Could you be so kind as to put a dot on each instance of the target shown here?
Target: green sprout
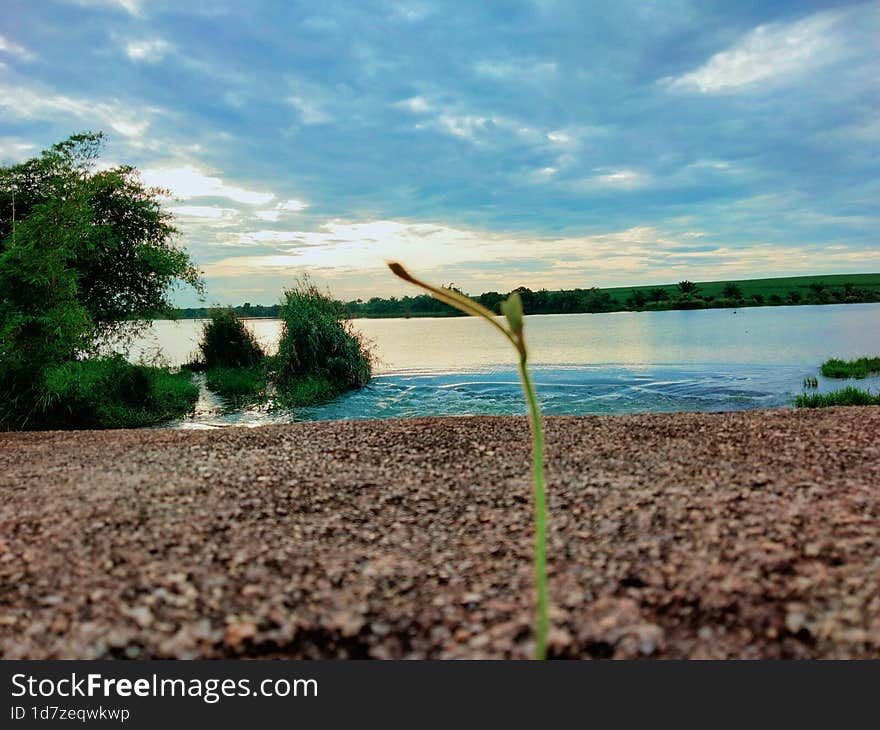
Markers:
(513, 313)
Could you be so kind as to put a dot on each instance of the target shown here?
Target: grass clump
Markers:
(237, 383)
(308, 391)
(228, 343)
(233, 360)
(859, 368)
(846, 397)
(111, 393)
(319, 355)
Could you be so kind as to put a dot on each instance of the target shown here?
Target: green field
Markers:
(781, 286)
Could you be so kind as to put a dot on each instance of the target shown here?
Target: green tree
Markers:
(637, 299)
(659, 294)
(688, 288)
(732, 291)
(84, 253)
(113, 238)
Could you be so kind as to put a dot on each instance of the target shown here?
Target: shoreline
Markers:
(690, 535)
(456, 314)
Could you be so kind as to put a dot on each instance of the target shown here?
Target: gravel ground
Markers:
(751, 534)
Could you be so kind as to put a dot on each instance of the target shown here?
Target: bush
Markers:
(110, 393)
(228, 343)
(318, 352)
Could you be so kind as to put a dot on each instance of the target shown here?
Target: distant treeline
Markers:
(830, 289)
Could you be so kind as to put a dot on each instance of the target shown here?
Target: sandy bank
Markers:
(751, 534)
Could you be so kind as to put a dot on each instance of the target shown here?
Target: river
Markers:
(620, 362)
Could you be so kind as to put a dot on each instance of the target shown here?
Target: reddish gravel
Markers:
(688, 535)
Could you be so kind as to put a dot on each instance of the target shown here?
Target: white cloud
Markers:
(14, 49)
(148, 51)
(132, 7)
(292, 205)
(15, 150)
(270, 237)
(518, 70)
(26, 103)
(310, 112)
(353, 256)
(203, 211)
(367, 245)
(561, 137)
(465, 126)
(285, 206)
(767, 53)
(415, 104)
(189, 182)
(412, 12)
(544, 174)
(489, 128)
(623, 179)
(474, 127)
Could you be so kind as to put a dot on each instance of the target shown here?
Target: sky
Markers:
(542, 143)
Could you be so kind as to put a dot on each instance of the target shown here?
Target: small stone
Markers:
(239, 632)
(794, 621)
(142, 616)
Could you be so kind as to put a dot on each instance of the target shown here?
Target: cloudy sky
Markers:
(546, 143)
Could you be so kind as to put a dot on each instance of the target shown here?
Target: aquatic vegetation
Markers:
(811, 382)
(308, 391)
(318, 345)
(227, 343)
(849, 396)
(859, 368)
(239, 384)
(233, 360)
(319, 356)
(512, 309)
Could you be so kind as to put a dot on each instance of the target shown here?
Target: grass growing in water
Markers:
(237, 383)
(319, 355)
(846, 397)
(232, 358)
(227, 343)
(859, 368)
(308, 391)
(512, 310)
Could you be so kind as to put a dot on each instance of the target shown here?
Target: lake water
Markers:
(621, 362)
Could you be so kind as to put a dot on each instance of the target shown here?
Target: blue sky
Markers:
(541, 142)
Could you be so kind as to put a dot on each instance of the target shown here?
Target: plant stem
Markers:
(543, 622)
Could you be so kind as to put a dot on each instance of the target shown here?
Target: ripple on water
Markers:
(562, 390)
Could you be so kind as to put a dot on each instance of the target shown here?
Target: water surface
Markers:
(621, 362)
